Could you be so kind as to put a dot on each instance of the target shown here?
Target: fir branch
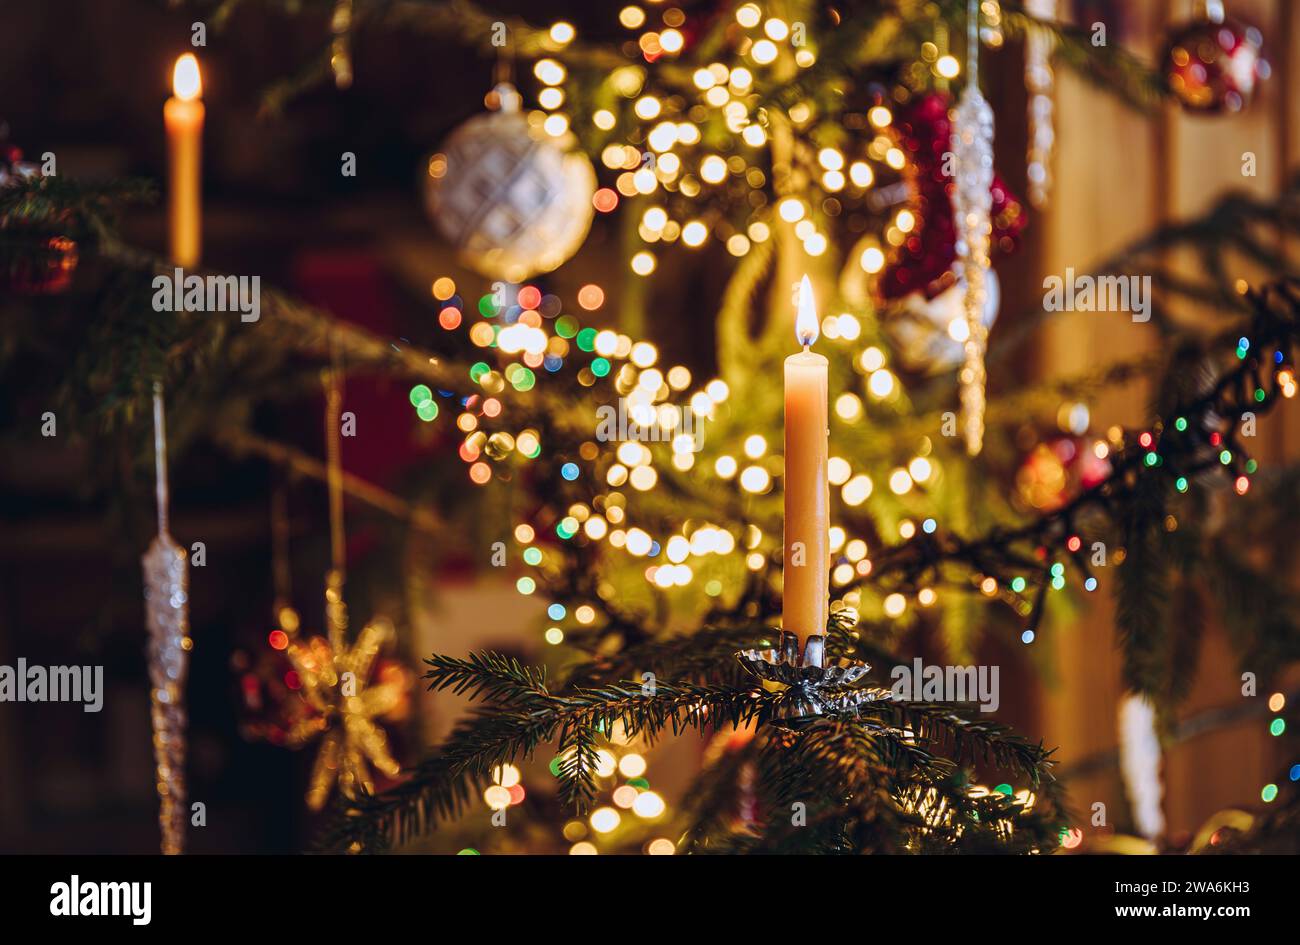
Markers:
(712, 805)
(240, 443)
(1141, 590)
(579, 759)
(865, 752)
(969, 738)
(514, 730)
(488, 676)
(1261, 613)
(952, 817)
(838, 786)
(704, 656)
(69, 206)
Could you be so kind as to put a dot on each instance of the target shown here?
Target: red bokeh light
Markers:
(530, 296)
(605, 200)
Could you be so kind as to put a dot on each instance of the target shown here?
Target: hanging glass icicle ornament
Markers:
(972, 202)
(1039, 83)
(167, 618)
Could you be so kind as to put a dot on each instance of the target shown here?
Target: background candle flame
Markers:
(805, 322)
(186, 82)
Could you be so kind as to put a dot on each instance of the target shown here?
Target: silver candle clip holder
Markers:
(815, 686)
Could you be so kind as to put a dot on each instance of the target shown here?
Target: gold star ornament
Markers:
(343, 705)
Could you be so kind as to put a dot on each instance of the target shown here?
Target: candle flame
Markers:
(186, 82)
(805, 322)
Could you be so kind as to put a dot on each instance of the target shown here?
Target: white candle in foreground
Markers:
(806, 562)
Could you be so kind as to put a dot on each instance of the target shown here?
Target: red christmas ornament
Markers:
(35, 258)
(269, 706)
(1215, 64)
(36, 264)
(1059, 469)
(924, 261)
(271, 701)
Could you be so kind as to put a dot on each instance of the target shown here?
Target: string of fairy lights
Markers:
(1277, 728)
(532, 334)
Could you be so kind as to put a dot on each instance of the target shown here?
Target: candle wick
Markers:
(806, 346)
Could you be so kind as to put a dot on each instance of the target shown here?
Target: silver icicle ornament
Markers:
(166, 596)
(972, 203)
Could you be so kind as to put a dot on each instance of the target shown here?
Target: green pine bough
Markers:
(889, 777)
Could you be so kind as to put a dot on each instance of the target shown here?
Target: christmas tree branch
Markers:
(1188, 448)
(68, 206)
(240, 442)
(872, 794)
(521, 713)
(512, 731)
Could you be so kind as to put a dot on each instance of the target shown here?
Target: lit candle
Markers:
(807, 492)
(183, 116)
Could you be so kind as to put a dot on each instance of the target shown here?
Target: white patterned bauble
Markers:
(929, 335)
(514, 200)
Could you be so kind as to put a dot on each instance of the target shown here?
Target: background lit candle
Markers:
(807, 492)
(183, 116)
